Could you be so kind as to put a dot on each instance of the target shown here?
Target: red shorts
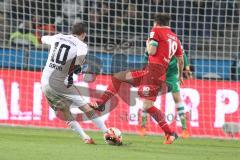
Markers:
(150, 81)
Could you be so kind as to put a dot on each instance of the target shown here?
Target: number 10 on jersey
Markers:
(59, 58)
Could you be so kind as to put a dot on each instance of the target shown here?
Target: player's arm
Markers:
(152, 47)
(81, 54)
(180, 60)
(187, 71)
(152, 42)
(80, 58)
(186, 62)
(47, 40)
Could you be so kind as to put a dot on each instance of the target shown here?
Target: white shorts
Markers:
(68, 98)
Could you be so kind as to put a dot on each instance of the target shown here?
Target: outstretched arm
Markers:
(180, 61)
(187, 72)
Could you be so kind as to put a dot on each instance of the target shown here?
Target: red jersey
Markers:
(168, 45)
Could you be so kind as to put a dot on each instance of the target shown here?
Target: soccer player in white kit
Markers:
(67, 52)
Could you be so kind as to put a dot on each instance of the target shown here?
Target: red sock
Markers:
(160, 118)
(112, 89)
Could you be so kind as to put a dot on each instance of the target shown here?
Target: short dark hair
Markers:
(162, 19)
(78, 29)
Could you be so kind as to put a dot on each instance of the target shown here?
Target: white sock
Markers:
(180, 109)
(100, 124)
(75, 126)
(91, 115)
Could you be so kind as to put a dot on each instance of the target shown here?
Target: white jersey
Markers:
(65, 52)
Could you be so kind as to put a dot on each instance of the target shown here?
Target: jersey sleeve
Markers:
(153, 36)
(179, 51)
(48, 40)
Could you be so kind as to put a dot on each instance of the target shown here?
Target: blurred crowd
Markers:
(207, 28)
(118, 18)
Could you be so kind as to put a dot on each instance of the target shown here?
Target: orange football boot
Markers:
(142, 131)
(89, 141)
(169, 139)
(185, 134)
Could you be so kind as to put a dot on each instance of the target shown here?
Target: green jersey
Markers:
(172, 74)
(173, 66)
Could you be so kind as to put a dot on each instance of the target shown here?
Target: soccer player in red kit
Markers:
(161, 46)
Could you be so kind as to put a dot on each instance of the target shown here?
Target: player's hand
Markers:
(181, 80)
(187, 74)
(147, 42)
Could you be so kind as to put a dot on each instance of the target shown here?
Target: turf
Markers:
(49, 144)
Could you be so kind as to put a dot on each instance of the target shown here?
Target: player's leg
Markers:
(172, 81)
(96, 119)
(159, 117)
(181, 113)
(75, 126)
(80, 103)
(142, 130)
(151, 85)
(61, 106)
(113, 87)
(65, 114)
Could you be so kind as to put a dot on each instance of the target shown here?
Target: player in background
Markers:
(66, 56)
(162, 45)
(173, 83)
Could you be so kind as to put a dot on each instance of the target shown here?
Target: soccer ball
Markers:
(113, 136)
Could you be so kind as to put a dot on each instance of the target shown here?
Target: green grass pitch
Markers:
(49, 144)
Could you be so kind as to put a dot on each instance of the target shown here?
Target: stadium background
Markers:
(209, 31)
